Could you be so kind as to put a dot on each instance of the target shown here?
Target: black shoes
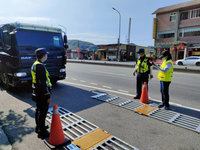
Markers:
(37, 129)
(136, 97)
(43, 135)
(160, 106)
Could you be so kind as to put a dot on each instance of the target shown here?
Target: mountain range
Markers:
(73, 45)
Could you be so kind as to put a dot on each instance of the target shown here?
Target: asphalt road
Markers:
(184, 89)
(74, 93)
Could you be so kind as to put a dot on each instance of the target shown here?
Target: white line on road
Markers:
(73, 79)
(108, 87)
(110, 73)
(127, 94)
(82, 81)
(94, 83)
(123, 91)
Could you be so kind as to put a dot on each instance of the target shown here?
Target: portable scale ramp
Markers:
(168, 116)
(84, 135)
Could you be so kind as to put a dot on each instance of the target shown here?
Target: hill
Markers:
(73, 44)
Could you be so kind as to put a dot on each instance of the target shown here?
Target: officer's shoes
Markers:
(37, 130)
(136, 97)
(43, 135)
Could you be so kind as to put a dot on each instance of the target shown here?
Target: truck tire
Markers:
(5, 81)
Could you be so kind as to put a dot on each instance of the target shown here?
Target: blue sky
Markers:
(89, 20)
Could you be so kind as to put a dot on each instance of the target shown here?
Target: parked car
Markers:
(192, 60)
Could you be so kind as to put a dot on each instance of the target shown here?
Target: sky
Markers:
(89, 20)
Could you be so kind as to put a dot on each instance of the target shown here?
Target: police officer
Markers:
(142, 71)
(165, 76)
(41, 91)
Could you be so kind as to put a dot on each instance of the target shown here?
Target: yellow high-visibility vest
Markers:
(167, 76)
(33, 73)
(143, 67)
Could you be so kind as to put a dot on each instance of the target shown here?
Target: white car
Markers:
(192, 60)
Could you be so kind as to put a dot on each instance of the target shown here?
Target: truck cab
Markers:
(18, 42)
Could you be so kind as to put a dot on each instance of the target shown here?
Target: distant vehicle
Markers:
(192, 60)
(18, 42)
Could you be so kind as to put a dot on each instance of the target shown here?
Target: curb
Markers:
(4, 143)
(185, 69)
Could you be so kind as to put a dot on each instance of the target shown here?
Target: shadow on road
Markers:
(15, 126)
(72, 98)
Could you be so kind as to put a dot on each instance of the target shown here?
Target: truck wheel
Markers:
(180, 63)
(198, 64)
(5, 81)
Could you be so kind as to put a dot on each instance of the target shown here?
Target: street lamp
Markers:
(118, 52)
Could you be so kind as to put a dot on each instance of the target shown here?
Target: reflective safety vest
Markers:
(33, 73)
(142, 67)
(167, 76)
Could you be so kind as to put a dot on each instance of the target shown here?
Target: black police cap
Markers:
(141, 50)
(41, 51)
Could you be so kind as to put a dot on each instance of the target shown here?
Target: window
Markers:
(185, 15)
(169, 35)
(195, 13)
(172, 17)
(194, 33)
(7, 38)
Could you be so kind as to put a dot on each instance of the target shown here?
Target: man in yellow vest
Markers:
(165, 76)
(142, 71)
(41, 91)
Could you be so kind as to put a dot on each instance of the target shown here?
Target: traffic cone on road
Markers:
(144, 97)
(57, 137)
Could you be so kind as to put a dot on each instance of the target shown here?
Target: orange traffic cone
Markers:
(56, 138)
(144, 97)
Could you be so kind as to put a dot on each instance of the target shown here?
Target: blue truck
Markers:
(18, 42)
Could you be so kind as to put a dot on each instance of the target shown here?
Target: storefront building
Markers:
(177, 28)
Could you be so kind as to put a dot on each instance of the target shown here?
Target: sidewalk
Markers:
(4, 143)
(191, 69)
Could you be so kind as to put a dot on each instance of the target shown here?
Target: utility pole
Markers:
(118, 51)
(129, 30)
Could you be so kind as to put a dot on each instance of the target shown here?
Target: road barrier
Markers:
(169, 116)
(86, 135)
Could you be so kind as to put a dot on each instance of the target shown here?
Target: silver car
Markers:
(192, 60)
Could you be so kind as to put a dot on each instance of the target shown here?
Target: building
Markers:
(127, 52)
(177, 29)
(80, 54)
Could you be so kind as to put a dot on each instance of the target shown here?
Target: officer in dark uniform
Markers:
(41, 91)
(142, 71)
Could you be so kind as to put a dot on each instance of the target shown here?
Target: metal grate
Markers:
(107, 98)
(120, 101)
(132, 105)
(164, 115)
(73, 126)
(188, 122)
(114, 143)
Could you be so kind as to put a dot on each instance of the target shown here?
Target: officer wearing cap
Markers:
(165, 76)
(142, 71)
(41, 91)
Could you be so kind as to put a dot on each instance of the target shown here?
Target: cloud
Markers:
(93, 37)
(25, 19)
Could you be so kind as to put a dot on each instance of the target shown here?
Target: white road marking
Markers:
(94, 83)
(127, 94)
(82, 81)
(73, 79)
(110, 73)
(123, 91)
(108, 87)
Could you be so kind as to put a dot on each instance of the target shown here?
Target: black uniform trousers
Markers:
(41, 112)
(141, 78)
